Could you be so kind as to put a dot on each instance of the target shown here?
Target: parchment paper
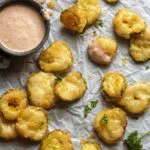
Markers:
(70, 118)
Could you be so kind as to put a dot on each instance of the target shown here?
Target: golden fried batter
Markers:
(57, 140)
(74, 19)
(40, 87)
(91, 8)
(140, 46)
(7, 128)
(57, 58)
(87, 145)
(126, 23)
(136, 98)
(32, 123)
(113, 85)
(102, 50)
(71, 88)
(81, 15)
(12, 102)
(110, 125)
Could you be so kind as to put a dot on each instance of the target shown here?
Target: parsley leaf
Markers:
(147, 67)
(94, 103)
(99, 23)
(88, 108)
(134, 142)
(58, 80)
(104, 119)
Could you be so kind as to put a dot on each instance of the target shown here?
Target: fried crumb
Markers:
(52, 4)
(124, 61)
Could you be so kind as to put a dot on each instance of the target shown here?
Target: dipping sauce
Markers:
(22, 27)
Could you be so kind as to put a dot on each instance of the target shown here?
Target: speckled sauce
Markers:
(21, 27)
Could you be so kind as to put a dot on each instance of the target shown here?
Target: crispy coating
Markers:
(7, 128)
(126, 23)
(111, 1)
(40, 88)
(140, 46)
(57, 140)
(12, 102)
(136, 98)
(91, 8)
(88, 145)
(57, 58)
(102, 50)
(113, 86)
(32, 123)
(81, 15)
(74, 19)
(112, 131)
(71, 88)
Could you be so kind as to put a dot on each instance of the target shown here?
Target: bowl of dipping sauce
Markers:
(23, 28)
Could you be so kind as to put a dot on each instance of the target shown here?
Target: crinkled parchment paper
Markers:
(70, 118)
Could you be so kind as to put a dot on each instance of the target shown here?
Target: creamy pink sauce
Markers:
(21, 27)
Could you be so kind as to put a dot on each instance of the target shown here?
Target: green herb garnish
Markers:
(134, 142)
(147, 67)
(94, 103)
(99, 23)
(88, 108)
(58, 80)
(104, 119)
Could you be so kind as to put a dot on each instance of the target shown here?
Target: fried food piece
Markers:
(136, 98)
(57, 58)
(91, 8)
(110, 125)
(74, 19)
(140, 46)
(113, 86)
(40, 87)
(88, 145)
(57, 140)
(102, 50)
(111, 1)
(12, 102)
(32, 123)
(126, 23)
(71, 88)
(7, 128)
(81, 15)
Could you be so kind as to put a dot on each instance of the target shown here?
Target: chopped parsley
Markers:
(99, 23)
(133, 141)
(104, 119)
(58, 80)
(147, 67)
(89, 108)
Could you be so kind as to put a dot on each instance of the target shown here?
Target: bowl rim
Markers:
(39, 7)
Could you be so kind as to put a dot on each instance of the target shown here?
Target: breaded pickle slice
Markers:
(88, 145)
(57, 58)
(113, 86)
(71, 88)
(7, 128)
(32, 123)
(57, 140)
(40, 88)
(102, 50)
(91, 8)
(74, 19)
(126, 23)
(12, 102)
(136, 98)
(140, 46)
(110, 125)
